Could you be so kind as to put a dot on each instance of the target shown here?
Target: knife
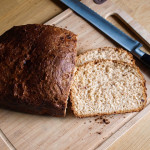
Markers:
(110, 30)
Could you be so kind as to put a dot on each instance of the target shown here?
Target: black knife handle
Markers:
(146, 59)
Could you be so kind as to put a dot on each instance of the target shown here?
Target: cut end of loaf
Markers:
(107, 87)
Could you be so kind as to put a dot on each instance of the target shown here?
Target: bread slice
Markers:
(107, 87)
(105, 53)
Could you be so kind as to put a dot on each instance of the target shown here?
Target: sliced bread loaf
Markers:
(36, 69)
(105, 53)
(107, 87)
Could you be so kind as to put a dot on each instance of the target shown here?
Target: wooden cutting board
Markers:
(29, 132)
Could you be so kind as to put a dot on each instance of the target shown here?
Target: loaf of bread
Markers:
(36, 69)
(107, 87)
(106, 53)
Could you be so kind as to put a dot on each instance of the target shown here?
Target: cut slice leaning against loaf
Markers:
(105, 53)
(107, 87)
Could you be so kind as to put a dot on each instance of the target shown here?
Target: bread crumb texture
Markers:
(107, 87)
(105, 53)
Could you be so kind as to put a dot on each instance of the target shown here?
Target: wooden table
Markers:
(18, 12)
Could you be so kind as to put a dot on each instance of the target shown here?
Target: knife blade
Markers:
(109, 29)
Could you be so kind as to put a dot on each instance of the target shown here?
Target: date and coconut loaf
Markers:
(36, 64)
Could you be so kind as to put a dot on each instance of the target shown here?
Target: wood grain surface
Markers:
(3, 146)
(35, 11)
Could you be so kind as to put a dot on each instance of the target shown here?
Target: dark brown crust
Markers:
(37, 64)
(117, 112)
(105, 48)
